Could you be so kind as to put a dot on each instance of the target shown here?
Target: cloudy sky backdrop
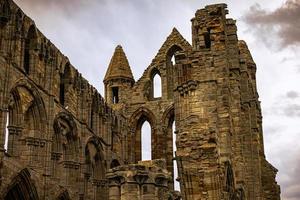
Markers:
(87, 31)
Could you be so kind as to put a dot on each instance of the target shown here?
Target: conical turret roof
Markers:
(118, 66)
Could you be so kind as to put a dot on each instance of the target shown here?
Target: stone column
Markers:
(114, 188)
(147, 180)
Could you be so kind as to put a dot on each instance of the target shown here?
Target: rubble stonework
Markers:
(65, 141)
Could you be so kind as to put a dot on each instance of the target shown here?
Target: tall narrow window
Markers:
(115, 95)
(64, 81)
(6, 132)
(170, 70)
(146, 141)
(31, 36)
(207, 39)
(175, 169)
(157, 86)
(62, 91)
(5, 12)
(173, 60)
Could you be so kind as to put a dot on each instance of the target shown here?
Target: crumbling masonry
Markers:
(65, 141)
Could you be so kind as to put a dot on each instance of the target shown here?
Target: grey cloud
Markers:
(291, 183)
(284, 22)
(292, 110)
(292, 94)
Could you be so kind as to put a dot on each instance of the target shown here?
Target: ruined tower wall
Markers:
(63, 136)
(213, 99)
(60, 128)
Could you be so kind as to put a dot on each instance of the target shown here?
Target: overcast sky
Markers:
(87, 32)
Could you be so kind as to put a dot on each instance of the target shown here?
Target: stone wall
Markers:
(61, 131)
(66, 141)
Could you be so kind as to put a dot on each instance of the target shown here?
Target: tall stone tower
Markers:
(209, 91)
(62, 140)
(118, 79)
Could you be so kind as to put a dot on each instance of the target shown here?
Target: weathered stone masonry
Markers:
(65, 141)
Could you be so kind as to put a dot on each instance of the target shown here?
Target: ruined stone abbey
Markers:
(60, 139)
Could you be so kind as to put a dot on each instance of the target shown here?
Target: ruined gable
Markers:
(65, 141)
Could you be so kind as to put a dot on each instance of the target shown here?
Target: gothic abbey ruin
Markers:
(65, 141)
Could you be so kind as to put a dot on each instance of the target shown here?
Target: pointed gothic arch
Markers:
(27, 119)
(136, 122)
(114, 163)
(229, 185)
(94, 158)
(22, 187)
(95, 166)
(63, 196)
(65, 137)
(156, 84)
(170, 70)
(168, 141)
(65, 80)
(5, 12)
(29, 47)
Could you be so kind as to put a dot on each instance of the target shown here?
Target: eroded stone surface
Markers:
(68, 142)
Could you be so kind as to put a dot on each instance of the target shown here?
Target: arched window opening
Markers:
(170, 71)
(65, 139)
(207, 39)
(140, 142)
(157, 87)
(64, 80)
(26, 116)
(62, 91)
(175, 168)
(173, 60)
(6, 132)
(115, 95)
(5, 12)
(146, 141)
(29, 46)
(95, 160)
(229, 180)
(63, 196)
(22, 187)
(114, 163)
(94, 110)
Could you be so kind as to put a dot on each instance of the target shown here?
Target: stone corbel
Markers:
(161, 180)
(71, 164)
(99, 183)
(141, 178)
(55, 155)
(14, 130)
(31, 141)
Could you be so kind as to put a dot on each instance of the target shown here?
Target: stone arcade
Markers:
(65, 141)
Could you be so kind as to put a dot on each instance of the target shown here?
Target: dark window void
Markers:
(115, 95)
(30, 44)
(65, 78)
(114, 163)
(207, 39)
(5, 12)
(26, 57)
(62, 93)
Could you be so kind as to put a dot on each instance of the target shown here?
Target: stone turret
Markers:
(118, 79)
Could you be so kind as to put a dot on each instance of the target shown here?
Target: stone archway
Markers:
(95, 168)
(26, 122)
(22, 187)
(63, 195)
(136, 122)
